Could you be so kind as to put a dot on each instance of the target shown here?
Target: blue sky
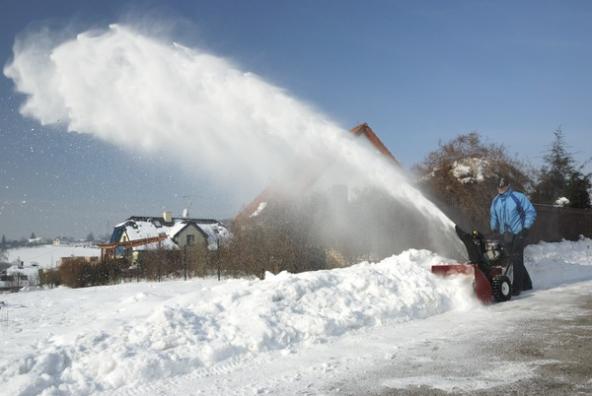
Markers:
(418, 72)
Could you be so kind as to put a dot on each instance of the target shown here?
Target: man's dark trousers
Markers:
(514, 246)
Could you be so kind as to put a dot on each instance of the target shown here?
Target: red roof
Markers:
(303, 182)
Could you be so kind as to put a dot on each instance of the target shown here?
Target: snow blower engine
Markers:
(488, 264)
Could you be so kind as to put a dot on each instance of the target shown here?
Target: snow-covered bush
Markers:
(461, 175)
(561, 202)
(469, 170)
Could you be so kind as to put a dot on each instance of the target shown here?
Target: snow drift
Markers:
(554, 264)
(229, 321)
(107, 337)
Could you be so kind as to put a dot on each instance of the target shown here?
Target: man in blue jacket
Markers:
(512, 215)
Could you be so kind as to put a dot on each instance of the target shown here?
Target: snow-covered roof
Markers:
(259, 209)
(176, 228)
(215, 232)
(141, 227)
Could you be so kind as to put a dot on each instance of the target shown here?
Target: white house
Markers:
(139, 233)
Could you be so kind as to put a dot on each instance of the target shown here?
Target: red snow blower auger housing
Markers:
(488, 264)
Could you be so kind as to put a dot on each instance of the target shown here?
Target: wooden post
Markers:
(185, 262)
(218, 259)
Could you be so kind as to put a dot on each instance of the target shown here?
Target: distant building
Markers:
(13, 281)
(140, 233)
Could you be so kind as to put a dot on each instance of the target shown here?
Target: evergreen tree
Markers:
(578, 190)
(3, 254)
(90, 237)
(559, 177)
(33, 236)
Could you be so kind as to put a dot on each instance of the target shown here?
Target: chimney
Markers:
(167, 217)
(185, 213)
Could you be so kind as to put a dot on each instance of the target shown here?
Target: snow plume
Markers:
(142, 93)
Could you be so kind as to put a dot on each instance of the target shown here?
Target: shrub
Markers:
(49, 277)
(461, 175)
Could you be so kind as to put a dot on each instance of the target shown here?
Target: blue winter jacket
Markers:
(511, 212)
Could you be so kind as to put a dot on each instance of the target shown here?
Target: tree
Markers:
(90, 237)
(279, 239)
(578, 190)
(559, 177)
(461, 176)
(3, 253)
(33, 236)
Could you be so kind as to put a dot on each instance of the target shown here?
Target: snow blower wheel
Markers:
(501, 288)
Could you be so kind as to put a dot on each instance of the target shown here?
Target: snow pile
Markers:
(561, 202)
(232, 321)
(103, 338)
(469, 170)
(553, 264)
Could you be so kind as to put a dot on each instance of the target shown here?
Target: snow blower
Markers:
(488, 264)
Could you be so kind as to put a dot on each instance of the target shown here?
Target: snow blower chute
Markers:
(488, 264)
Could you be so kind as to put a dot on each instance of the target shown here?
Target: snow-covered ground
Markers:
(28, 260)
(243, 336)
(47, 256)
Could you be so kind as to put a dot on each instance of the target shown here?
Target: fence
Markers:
(554, 224)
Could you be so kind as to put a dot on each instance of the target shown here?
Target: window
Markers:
(190, 239)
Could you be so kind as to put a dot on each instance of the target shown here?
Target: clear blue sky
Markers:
(418, 72)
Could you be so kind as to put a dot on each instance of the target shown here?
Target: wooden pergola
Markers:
(108, 249)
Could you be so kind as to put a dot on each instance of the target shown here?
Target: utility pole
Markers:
(218, 260)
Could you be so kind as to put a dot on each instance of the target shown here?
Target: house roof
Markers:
(367, 132)
(255, 207)
(144, 227)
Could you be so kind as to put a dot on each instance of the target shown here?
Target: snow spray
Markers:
(142, 93)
